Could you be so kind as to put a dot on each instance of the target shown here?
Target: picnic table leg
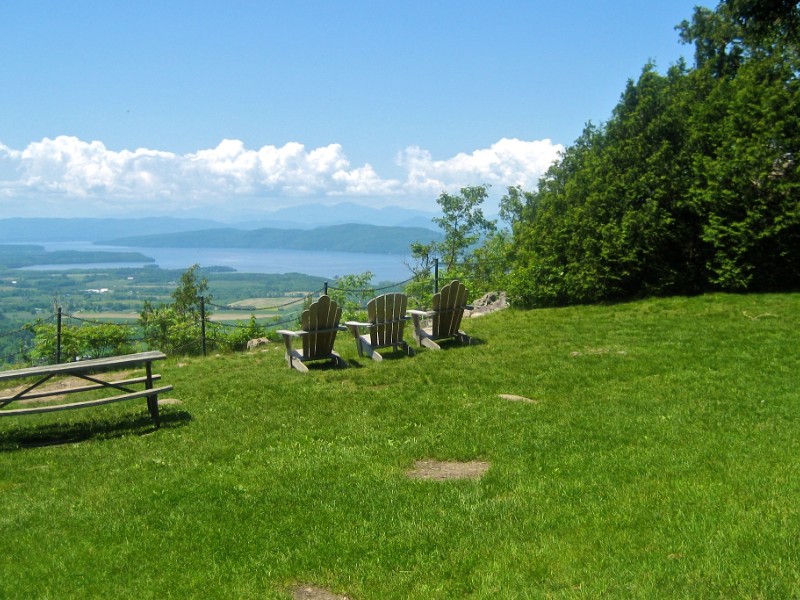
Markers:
(152, 401)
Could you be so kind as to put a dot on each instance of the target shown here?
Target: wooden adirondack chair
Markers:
(386, 316)
(446, 312)
(320, 323)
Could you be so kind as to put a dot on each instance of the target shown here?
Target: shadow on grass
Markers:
(387, 355)
(454, 343)
(57, 434)
(399, 355)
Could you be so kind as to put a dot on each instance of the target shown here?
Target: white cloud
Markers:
(70, 172)
(506, 163)
(69, 167)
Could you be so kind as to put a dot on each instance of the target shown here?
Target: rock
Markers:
(487, 303)
(256, 342)
(516, 398)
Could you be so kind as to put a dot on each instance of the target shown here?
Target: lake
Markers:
(385, 267)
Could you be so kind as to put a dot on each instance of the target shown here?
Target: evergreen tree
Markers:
(691, 185)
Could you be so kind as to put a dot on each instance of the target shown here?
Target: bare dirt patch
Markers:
(312, 592)
(444, 470)
(66, 383)
(515, 398)
(169, 402)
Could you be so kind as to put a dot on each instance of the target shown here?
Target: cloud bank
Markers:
(67, 176)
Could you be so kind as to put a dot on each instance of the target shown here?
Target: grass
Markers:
(658, 460)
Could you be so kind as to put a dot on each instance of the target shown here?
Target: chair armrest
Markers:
(422, 313)
(302, 332)
(287, 333)
(358, 324)
(354, 327)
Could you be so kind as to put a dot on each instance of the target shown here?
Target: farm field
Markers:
(217, 315)
(118, 295)
(638, 450)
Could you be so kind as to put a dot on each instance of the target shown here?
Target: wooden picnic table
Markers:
(86, 370)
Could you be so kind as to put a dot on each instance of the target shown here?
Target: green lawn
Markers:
(659, 459)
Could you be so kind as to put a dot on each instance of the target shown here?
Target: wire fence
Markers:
(271, 307)
(219, 331)
(371, 289)
(55, 329)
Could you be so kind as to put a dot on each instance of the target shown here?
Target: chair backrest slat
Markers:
(449, 306)
(387, 314)
(320, 320)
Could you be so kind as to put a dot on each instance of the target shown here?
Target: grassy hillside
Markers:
(657, 458)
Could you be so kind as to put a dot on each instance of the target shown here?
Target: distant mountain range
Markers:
(92, 230)
(339, 228)
(349, 237)
(309, 216)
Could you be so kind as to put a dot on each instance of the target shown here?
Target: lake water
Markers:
(385, 267)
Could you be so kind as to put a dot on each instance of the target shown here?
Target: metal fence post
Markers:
(435, 275)
(58, 335)
(203, 324)
(325, 288)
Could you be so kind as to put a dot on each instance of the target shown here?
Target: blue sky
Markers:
(234, 108)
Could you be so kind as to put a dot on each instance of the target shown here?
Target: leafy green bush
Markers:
(236, 337)
(86, 341)
(351, 293)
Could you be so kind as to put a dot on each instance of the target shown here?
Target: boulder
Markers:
(256, 342)
(487, 303)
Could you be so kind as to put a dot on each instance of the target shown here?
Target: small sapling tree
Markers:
(176, 327)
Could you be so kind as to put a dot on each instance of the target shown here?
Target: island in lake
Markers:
(17, 256)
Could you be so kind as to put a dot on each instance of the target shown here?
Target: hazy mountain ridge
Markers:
(350, 237)
(92, 229)
(303, 217)
(309, 216)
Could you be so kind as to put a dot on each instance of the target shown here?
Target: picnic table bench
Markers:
(86, 370)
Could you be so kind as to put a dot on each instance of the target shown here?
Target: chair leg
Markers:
(294, 362)
(464, 338)
(429, 343)
(299, 366)
(367, 350)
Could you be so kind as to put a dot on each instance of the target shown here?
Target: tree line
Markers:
(690, 186)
